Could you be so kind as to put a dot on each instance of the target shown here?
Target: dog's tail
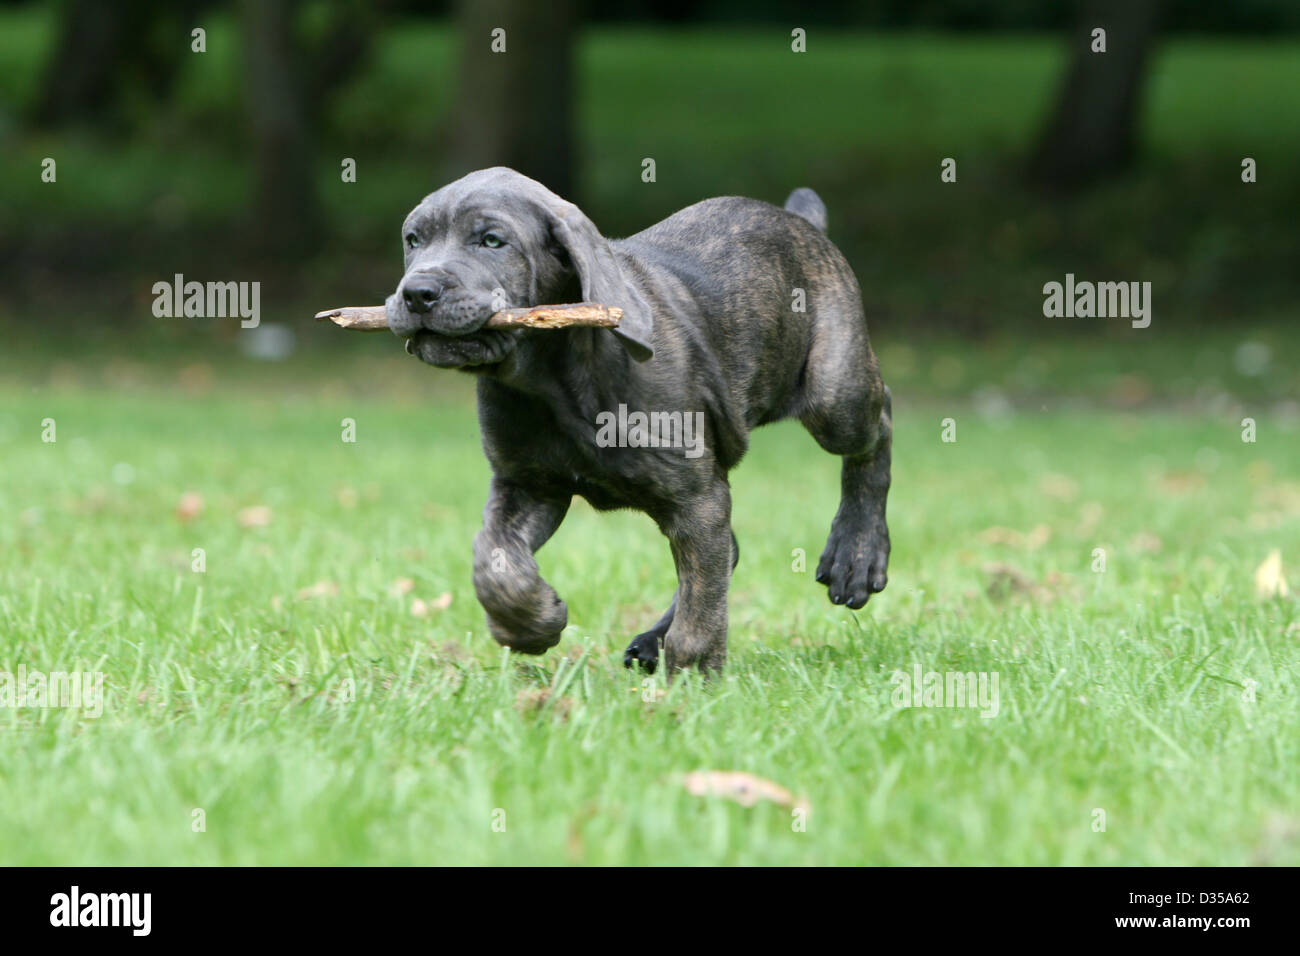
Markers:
(804, 202)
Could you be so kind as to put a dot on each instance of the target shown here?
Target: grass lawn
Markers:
(315, 719)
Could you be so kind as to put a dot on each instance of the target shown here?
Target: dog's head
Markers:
(494, 240)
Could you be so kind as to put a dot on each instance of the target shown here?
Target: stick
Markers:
(374, 318)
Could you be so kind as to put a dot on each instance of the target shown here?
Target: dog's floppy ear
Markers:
(602, 279)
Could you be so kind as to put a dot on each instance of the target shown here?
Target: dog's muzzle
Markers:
(478, 350)
(443, 326)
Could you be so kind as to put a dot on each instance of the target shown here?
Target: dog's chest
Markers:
(611, 469)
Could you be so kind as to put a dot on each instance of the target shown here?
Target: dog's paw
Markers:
(854, 563)
(531, 630)
(643, 652)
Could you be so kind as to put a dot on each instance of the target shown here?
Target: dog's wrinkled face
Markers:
(472, 248)
(495, 240)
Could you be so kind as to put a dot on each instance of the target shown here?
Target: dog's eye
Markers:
(412, 240)
(492, 240)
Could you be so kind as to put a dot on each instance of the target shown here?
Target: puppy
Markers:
(735, 314)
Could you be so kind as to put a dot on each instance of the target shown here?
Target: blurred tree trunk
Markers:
(287, 210)
(102, 52)
(516, 108)
(1092, 128)
(291, 78)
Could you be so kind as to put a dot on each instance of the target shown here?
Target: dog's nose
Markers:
(421, 292)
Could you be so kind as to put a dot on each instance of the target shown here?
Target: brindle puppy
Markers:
(711, 324)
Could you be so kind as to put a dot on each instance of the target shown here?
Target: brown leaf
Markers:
(1059, 486)
(1279, 840)
(1145, 541)
(1130, 390)
(189, 507)
(1032, 541)
(1284, 496)
(1182, 482)
(258, 516)
(1089, 517)
(1038, 537)
(320, 589)
(420, 608)
(197, 378)
(1269, 580)
(744, 788)
(1005, 580)
(535, 699)
(1266, 520)
(451, 651)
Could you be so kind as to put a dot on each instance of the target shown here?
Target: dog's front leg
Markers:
(699, 532)
(524, 613)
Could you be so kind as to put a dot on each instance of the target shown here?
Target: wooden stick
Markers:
(374, 318)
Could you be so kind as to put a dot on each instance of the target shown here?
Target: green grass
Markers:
(1121, 691)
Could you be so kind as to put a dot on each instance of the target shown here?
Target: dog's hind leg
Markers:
(644, 649)
(848, 410)
(524, 613)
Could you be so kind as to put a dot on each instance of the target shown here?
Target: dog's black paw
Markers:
(643, 652)
(854, 563)
(532, 628)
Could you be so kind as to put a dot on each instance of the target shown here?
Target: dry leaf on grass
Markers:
(1059, 486)
(535, 699)
(1010, 536)
(258, 516)
(189, 507)
(1182, 482)
(1284, 496)
(421, 608)
(1269, 580)
(321, 589)
(1145, 541)
(450, 651)
(744, 788)
(1266, 520)
(1130, 390)
(1089, 517)
(1278, 841)
(1007, 581)
(196, 378)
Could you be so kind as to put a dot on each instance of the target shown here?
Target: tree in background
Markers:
(106, 56)
(515, 108)
(297, 57)
(1090, 132)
